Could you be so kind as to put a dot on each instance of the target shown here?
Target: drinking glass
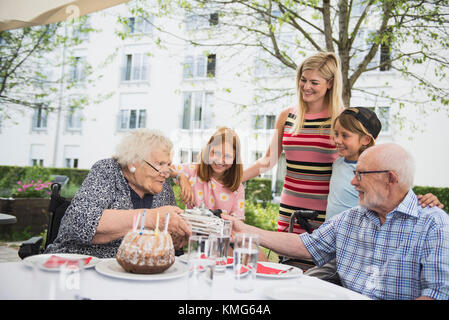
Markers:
(246, 253)
(202, 255)
(63, 282)
(223, 240)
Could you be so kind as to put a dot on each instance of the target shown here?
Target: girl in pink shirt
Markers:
(216, 181)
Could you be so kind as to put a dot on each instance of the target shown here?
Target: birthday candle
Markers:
(156, 230)
(134, 221)
(143, 222)
(167, 218)
(137, 221)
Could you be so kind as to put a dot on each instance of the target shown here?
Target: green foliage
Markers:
(441, 193)
(11, 175)
(177, 191)
(262, 215)
(258, 189)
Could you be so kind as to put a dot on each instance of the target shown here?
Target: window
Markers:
(40, 118)
(196, 110)
(71, 156)
(261, 122)
(361, 47)
(37, 155)
(195, 155)
(136, 67)
(201, 66)
(140, 25)
(78, 69)
(132, 119)
(385, 62)
(184, 156)
(73, 120)
(201, 21)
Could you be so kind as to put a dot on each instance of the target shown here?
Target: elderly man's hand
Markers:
(238, 225)
(178, 228)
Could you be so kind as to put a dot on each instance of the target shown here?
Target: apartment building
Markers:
(187, 92)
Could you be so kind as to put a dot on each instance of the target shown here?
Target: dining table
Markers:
(7, 219)
(19, 280)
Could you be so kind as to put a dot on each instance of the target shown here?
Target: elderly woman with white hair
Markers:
(133, 180)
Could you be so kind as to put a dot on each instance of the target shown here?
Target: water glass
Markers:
(63, 282)
(202, 257)
(223, 240)
(246, 253)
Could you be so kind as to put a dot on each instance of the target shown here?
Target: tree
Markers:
(407, 36)
(29, 58)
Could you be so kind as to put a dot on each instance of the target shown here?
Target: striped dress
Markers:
(309, 157)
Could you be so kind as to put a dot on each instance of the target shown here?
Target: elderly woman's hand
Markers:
(178, 228)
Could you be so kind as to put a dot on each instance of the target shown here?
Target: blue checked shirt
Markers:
(406, 257)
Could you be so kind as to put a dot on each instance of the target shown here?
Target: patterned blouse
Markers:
(105, 187)
(213, 194)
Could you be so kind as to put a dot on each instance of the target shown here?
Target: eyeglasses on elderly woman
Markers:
(163, 170)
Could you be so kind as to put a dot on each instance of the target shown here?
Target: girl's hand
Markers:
(430, 200)
(187, 196)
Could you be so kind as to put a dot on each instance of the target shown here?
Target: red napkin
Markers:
(228, 261)
(267, 270)
(261, 269)
(55, 261)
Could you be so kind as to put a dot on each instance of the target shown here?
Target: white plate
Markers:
(295, 272)
(185, 258)
(301, 292)
(111, 268)
(39, 259)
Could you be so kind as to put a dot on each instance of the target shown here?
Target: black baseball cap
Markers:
(367, 118)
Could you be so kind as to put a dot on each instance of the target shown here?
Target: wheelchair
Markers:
(57, 207)
(327, 272)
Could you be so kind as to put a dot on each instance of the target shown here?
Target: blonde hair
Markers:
(138, 144)
(353, 125)
(328, 64)
(232, 177)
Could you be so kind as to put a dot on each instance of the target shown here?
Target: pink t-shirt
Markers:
(213, 194)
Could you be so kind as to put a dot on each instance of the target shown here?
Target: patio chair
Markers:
(58, 206)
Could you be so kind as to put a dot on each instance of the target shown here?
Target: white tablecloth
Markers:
(17, 280)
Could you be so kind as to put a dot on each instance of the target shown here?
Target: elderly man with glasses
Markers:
(133, 180)
(388, 247)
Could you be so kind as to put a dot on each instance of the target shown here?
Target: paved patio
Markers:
(8, 251)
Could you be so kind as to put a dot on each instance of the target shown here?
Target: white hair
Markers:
(138, 144)
(391, 156)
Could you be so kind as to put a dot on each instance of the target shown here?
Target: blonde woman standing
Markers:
(303, 132)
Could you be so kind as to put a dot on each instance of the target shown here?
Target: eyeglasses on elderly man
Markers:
(359, 174)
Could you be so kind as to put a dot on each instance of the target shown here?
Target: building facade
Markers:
(187, 92)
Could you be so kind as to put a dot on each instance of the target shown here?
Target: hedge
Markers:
(257, 189)
(9, 175)
(441, 193)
